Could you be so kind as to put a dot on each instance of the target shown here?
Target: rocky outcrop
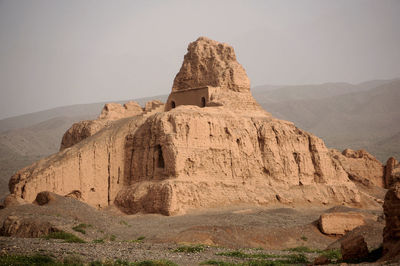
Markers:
(391, 208)
(354, 249)
(192, 157)
(80, 131)
(361, 167)
(115, 111)
(339, 223)
(392, 172)
(152, 105)
(26, 227)
(13, 200)
(210, 63)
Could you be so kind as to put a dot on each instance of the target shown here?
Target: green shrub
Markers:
(154, 263)
(68, 237)
(73, 261)
(190, 249)
(138, 240)
(217, 262)
(240, 254)
(80, 228)
(101, 240)
(36, 259)
(236, 254)
(332, 254)
(303, 249)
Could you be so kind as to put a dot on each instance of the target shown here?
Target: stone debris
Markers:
(354, 249)
(25, 227)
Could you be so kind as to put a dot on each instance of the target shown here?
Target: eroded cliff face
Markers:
(190, 157)
(361, 167)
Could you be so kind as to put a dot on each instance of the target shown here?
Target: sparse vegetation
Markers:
(217, 262)
(101, 240)
(73, 261)
(124, 223)
(81, 228)
(140, 263)
(303, 249)
(154, 263)
(113, 238)
(45, 260)
(297, 259)
(190, 249)
(36, 259)
(332, 254)
(284, 259)
(304, 238)
(240, 254)
(68, 237)
(39, 259)
(138, 240)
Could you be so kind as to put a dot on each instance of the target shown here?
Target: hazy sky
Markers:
(55, 53)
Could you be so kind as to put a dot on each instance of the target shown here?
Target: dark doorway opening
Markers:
(160, 159)
(172, 104)
(203, 102)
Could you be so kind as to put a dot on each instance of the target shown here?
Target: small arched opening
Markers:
(203, 102)
(172, 104)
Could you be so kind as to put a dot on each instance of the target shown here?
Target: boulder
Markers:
(391, 232)
(13, 200)
(338, 223)
(392, 172)
(354, 249)
(44, 198)
(26, 227)
(321, 260)
(361, 167)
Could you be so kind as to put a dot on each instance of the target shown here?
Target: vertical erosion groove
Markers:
(160, 159)
(315, 161)
(109, 179)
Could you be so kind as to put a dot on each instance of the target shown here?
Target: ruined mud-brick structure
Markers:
(210, 145)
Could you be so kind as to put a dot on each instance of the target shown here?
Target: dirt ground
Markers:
(111, 235)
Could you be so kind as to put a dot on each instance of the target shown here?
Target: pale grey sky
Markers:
(55, 53)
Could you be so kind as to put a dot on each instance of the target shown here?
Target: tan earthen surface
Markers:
(229, 152)
(361, 167)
